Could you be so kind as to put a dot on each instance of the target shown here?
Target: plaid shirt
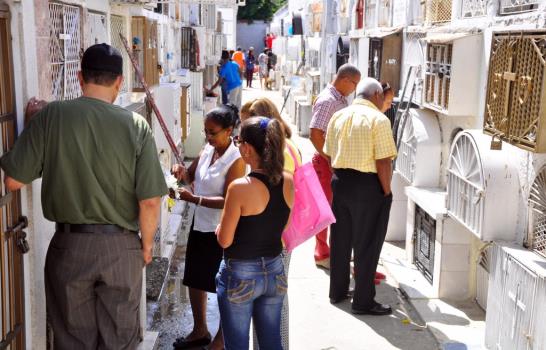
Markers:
(328, 102)
(358, 136)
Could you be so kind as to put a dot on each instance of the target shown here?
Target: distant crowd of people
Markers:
(245, 65)
(102, 185)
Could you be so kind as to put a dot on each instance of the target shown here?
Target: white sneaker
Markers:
(324, 263)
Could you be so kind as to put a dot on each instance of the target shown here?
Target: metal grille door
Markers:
(537, 207)
(508, 7)
(438, 74)
(370, 13)
(11, 260)
(187, 48)
(64, 50)
(465, 184)
(374, 64)
(514, 105)
(474, 8)
(405, 162)
(424, 237)
(384, 13)
(438, 11)
(117, 27)
(96, 29)
(517, 306)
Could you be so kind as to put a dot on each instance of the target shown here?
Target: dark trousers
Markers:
(362, 215)
(93, 285)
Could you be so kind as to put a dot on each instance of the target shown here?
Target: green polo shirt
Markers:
(97, 160)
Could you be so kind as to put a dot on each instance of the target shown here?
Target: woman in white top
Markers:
(219, 163)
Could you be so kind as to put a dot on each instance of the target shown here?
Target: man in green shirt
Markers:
(102, 183)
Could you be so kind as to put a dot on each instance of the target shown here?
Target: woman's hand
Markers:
(179, 171)
(186, 195)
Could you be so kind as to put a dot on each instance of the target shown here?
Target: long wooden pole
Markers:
(151, 100)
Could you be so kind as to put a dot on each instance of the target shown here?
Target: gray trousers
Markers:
(93, 285)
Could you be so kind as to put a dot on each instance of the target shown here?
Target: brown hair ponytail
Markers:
(267, 137)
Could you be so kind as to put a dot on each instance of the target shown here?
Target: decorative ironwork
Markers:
(519, 292)
(405, 162)
(375, 59)
(514, 92)
(465, 184)
(474, 8)
(196, 90)
(414, 55)
(188, 48)
(117, 27)
(385, 8)
(438, 11)
(96, 29)
(508, 7)
(537, 207)
(208, 16)
(64, 50)
(438, 74)
(370, 13)
(424, 237)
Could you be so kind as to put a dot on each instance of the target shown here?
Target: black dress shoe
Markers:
(338, 300)
(376, 310)
(349, 295)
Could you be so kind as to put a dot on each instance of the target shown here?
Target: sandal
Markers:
(182, 343)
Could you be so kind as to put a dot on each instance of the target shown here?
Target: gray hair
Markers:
(347, 71)
(368, 87)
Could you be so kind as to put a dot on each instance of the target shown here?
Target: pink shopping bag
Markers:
(311, 212)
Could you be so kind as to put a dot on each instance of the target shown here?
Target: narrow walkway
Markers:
(315, 324)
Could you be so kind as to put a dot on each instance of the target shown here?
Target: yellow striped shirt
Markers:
(359, 135)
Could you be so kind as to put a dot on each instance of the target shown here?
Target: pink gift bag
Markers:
(311, 212)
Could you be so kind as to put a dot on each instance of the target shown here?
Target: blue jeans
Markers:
(251, 289)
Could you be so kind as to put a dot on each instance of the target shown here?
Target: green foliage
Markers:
(259, 9)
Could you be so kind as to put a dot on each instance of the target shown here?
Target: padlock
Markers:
(496, 143)
(22, 242)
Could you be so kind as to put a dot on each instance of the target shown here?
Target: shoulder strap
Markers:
(294, 156)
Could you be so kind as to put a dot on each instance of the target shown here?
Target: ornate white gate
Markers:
(537, 207)
(117, 27)
(64, 50)
(96, 29)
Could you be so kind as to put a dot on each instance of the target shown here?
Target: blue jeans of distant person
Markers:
(251, 289)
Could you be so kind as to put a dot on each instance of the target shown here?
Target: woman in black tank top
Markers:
(252, 282)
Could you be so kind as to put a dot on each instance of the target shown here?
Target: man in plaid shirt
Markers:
(328, 102)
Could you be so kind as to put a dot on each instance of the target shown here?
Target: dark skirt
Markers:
(203, 257)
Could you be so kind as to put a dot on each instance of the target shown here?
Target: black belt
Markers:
(91, 228)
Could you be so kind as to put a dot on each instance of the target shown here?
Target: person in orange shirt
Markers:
(239, 58)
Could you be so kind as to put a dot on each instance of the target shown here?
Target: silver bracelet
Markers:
(200, 200)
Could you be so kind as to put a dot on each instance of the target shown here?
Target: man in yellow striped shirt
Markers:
(361, 148)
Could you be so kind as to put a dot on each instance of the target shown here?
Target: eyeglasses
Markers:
(237, 141)
(212, 133)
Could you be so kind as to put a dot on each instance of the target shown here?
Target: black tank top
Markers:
(260, 235)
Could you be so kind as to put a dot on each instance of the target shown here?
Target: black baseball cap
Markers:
(103, 57)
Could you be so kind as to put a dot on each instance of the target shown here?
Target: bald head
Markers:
(347, 78)
(371, 90)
